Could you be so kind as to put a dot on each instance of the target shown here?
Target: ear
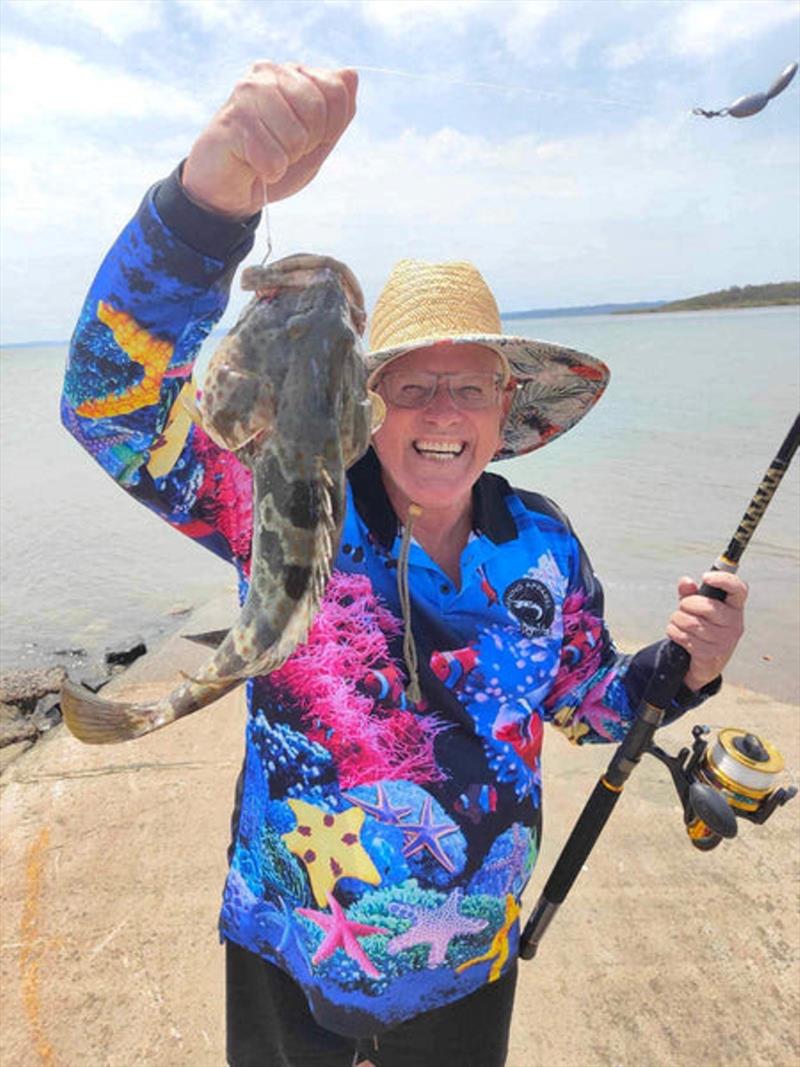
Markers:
(506, 401)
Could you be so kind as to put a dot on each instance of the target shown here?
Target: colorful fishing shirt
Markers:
(380, 847)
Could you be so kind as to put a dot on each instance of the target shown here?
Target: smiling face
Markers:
(432, 456)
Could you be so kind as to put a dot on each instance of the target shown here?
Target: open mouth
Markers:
(443, 451)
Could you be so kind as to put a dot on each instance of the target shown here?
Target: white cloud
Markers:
(578, 220)
(403, 18)
(572, 46)
(214, 14)
(520, 24)
(517, 22)
(628, 53)
(42, 84)
(118, 20)
(702, 29)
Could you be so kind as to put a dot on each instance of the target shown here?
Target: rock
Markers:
(47, 713)
(15, 726)
(10, 752)
(25, 687)
(126, 653)
(94, 677)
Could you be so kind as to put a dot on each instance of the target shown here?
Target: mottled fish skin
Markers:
(287, 390)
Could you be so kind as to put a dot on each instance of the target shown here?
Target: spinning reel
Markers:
(734, 778)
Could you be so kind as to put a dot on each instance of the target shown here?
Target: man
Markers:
(388, 813)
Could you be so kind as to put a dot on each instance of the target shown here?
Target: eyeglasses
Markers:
(416, 389)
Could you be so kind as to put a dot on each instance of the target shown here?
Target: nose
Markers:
(441, 404)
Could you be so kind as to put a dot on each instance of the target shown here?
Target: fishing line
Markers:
(267, 228)
(498, 85)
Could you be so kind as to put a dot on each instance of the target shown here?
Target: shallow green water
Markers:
(655, 480)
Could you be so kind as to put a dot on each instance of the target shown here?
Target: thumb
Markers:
(350, 79)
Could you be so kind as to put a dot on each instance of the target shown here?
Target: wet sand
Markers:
(113, 860)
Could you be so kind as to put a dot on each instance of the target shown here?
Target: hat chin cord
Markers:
(409, 648)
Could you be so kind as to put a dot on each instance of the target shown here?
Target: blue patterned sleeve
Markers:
(128, 394)
(598, 690)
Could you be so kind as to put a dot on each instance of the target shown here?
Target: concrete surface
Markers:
(113, 860)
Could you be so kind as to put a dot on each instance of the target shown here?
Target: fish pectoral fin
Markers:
(209, 638)
(98, 721)
(237, 405)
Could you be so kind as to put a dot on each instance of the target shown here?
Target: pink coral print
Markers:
(581, 648)
(225, 495)
(594, 712)
(368, 729)
(581, 656)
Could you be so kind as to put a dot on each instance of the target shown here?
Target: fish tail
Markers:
(96, 720)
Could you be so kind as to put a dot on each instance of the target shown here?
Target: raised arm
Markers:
(128, 391)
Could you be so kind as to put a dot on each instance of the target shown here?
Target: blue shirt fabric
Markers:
(380, 847)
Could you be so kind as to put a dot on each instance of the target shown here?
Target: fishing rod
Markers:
(734, 779)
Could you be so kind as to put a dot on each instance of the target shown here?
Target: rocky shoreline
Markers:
(30, 703)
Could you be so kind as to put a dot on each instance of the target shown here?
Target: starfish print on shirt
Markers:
(425, 835)
(152, 353)
(382, 808)
(433, 926)
(341, 933)
(498, 950)
(330, 847)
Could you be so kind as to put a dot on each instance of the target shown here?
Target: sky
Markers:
(550, 142)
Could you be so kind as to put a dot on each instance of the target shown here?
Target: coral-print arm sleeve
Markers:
(597, 690)
(128, 389)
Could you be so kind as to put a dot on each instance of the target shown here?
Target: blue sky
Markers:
(574, 175)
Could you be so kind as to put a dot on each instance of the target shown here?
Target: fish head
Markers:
(294, 362)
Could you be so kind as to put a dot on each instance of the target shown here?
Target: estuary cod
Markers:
(286, 390)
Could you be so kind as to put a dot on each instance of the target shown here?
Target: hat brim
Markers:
(555, 386)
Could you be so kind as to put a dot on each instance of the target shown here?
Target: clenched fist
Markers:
(277, 127)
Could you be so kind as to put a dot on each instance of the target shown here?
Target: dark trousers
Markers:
(269, 1025)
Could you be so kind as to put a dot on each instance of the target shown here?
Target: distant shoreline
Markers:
(770, 294)
(742, 305)
(638, 308)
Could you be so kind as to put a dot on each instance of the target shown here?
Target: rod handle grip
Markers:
(712, 592)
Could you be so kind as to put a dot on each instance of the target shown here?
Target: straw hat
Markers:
(427, 303)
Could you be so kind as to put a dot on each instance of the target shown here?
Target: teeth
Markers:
(443, 448)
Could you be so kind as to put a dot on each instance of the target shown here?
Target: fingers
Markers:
(708, 629)
(338, 89)
(731, 584)
(276, 128)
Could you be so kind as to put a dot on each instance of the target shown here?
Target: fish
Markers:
(286, 390)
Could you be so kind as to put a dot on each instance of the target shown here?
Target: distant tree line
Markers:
(743, 296)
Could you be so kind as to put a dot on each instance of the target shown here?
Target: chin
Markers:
(439, 490)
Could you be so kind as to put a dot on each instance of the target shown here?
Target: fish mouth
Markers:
(441, 451)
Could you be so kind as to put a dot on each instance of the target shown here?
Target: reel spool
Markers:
(734, 778)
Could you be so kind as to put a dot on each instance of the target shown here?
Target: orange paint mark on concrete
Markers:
(30, 952)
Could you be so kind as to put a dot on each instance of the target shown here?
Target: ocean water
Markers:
(654, 479)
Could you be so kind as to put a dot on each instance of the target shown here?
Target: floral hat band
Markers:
(424, 304)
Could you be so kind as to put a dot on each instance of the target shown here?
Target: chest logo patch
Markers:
(531, 603)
